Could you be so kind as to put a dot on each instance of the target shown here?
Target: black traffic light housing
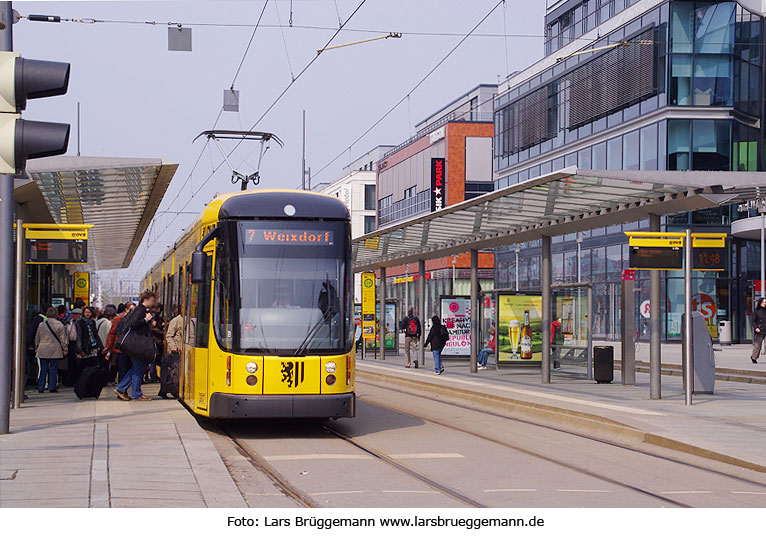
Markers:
(20, 80)
(35, 79)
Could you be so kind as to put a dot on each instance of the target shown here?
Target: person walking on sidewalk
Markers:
(759, 328)
(51, 346)
(410, 324)
(139, 321)
(437, 338)
(169, 366)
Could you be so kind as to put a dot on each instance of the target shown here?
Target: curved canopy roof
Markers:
(118, 196)
(558, 203)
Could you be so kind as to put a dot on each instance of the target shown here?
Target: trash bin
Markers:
(603, 364)
(724, 332)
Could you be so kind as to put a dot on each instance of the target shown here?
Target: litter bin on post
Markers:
(603, 364)
(724, 332)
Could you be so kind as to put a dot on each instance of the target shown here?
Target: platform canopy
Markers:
(557, 203)
(118, 196)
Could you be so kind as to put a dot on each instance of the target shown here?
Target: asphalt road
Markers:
(413, 451)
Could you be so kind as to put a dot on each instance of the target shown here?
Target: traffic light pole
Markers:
(6, 253)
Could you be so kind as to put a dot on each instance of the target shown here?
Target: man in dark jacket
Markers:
(410, 325)
(139, 320)
(437, 338)
(759, 328)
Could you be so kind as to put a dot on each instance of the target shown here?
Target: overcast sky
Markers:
(140, 100)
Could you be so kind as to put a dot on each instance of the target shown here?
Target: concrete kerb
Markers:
(567, 420)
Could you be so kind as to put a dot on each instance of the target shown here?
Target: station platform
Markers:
(728, 426)
(64, 452)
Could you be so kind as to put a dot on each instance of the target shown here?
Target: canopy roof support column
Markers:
(546, 312)
(655, 356)
(474, 309)
(421, 313)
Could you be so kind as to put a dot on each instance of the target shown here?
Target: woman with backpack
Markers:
(437, 338)
(51, 346)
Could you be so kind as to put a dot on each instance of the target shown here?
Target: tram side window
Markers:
(224, 289)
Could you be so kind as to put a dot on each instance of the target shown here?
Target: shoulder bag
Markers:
(138, 346)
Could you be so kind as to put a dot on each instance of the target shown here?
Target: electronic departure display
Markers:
(656, 258)
(56, 251)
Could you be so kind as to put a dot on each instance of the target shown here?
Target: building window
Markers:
(409, 192)
(369, 197)
(369, 224)
(703, 50)
(649, 148)
(614, 153)
(700, 144)
(710, 144)
(630, 146)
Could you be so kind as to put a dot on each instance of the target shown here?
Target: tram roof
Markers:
(118, 196)
(557, 203)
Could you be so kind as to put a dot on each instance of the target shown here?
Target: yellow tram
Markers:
(264, 282)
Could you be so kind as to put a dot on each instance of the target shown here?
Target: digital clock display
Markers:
(713, 259)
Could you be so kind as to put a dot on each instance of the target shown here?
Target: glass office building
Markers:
(669, 86)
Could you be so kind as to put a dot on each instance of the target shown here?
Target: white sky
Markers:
(140, 100)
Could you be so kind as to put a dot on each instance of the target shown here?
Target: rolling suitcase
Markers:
(91, 382)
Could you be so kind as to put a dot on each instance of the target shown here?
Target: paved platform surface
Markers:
(731, 422)
(64, 452)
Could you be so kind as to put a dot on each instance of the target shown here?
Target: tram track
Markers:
(580, 435)
(304, 499)
(403, 468)
(279, 481)
(538, 455)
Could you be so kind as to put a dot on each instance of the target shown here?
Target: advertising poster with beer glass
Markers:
(456, 317)
(519, 337)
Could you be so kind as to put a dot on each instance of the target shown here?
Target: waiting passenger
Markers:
(119, 364)
(489, 349)
(70, 324)
(88, 344)
(140, 324)
(51, 346)
(169, 367)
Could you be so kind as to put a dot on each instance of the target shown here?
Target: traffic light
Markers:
(22, 79)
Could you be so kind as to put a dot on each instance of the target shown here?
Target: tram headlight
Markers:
(251, 367)
(330, 380)
(330, 367)
(251, 380)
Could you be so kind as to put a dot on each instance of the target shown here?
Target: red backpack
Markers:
(412, 327)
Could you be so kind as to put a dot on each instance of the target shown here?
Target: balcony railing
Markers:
(405, 208)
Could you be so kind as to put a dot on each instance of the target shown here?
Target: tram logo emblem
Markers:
(293, 372)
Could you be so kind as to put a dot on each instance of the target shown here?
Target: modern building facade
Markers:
(356, 188)
(668, 86)
(447, 161)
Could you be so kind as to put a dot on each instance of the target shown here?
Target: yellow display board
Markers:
(82, 286)
(368, 305)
